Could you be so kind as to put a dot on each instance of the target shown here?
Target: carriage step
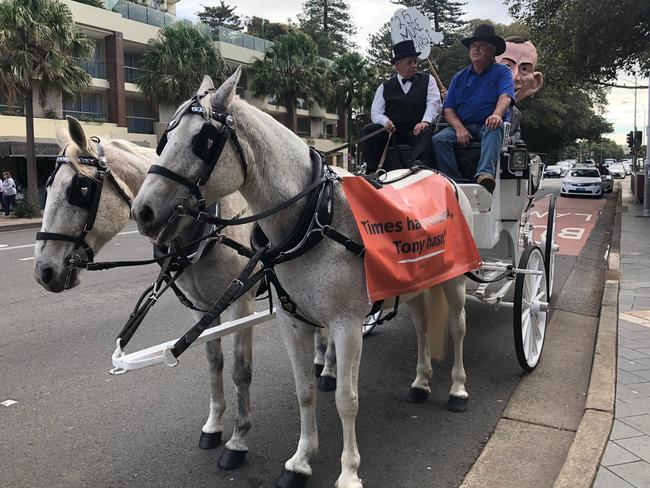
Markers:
(479, 198)
(161, 353)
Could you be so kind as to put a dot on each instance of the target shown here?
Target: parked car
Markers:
(589, 162)
(617, 170)
(608, 182)
(628, 167)
(608, 162)
(552, 172)
(582, 180)
(566, 165)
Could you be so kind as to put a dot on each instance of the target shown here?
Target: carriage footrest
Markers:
(479, 198)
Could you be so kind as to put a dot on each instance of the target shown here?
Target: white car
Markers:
(617, 170)
(627, 166)
(608, 182)
(552, 172)
(582, 181)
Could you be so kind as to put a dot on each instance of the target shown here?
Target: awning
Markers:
(44, 148)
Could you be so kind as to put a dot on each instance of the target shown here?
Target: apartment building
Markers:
(113, 106)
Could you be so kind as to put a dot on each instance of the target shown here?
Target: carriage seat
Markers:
(479, 198)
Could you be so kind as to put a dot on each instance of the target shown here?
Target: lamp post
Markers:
(646, 187)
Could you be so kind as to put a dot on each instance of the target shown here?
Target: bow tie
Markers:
(407, 80)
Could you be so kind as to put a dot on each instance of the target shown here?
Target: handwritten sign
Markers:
(409, 23)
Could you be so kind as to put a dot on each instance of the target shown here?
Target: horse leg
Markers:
(327, 380)
(234, 453)
(320, 345)
(299, 340)
(455, 293)
(349, 342)
(420, 389)
(213, 427)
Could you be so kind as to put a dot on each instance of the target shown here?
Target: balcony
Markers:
(15, 110)
(140, 125)
(86, 116)
(140, 13)
(130, 73)
(238, 38)
(96, 69)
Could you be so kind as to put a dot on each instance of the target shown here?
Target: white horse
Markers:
(129, 164)
(327, 283)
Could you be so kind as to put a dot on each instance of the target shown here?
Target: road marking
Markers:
(17, 247)
(27, 259)
(128, 232)
(8, 403)
(4, 245)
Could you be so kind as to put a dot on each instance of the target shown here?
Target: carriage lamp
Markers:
(518, 160)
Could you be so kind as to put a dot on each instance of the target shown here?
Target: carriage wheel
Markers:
(369, 323)
(530, 305)
(549, 254)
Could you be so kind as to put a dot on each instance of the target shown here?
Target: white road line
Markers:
(128, 232)
(4, 245)
(17, 247)
(27, 259)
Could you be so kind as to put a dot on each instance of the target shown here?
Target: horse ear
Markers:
(206, 85)
(77, 133)
(62, 137)
(226, 92)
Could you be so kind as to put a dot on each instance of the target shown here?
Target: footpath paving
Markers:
(626, 462)
(14, 223)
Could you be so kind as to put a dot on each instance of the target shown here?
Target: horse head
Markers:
(74, 194)
(201, 161)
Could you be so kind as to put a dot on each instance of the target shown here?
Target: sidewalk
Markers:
(13, 223)
(626, 462)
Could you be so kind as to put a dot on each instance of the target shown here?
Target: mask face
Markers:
(521, 58)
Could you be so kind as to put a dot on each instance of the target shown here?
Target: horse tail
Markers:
(436, 313)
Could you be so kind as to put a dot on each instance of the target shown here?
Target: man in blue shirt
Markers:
(476, 104)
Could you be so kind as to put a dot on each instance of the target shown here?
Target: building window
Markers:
(17, 108)
(139, 117)
(329, 130)
(88, 107)
(95, 67)
(131, 66)
(304, 127)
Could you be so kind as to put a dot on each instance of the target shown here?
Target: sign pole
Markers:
(646, 186)
(441, 87)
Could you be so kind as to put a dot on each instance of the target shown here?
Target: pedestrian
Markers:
(406, 105)
(8, 192)
(475, 107)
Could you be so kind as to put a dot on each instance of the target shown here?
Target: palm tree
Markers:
(40, 49)
(352, 77)
(174, 64)
(291, 69)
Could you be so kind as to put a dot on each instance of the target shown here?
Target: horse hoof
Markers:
(290, 479)
(457, 404)
(231, 459)
(417, 395)
(209, 441)
(326, 383)
(318, 369)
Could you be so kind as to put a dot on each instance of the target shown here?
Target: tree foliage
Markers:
(589, 39)
(221, 15)
(380, 52)
(329, 25)
(445, 15)
(291, 69)
(265, 29)
(92, 3)
(41, 49)
(173, 65)
(352, 78)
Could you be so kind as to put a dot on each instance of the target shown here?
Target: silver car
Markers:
(582, 180)
(608, 182)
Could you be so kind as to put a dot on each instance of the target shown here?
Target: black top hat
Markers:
(403, 49)
(485, 32)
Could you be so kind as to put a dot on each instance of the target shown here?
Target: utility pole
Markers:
(646, 183)
(634, 164)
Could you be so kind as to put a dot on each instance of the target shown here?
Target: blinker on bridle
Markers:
(84, 192)
(207, 145)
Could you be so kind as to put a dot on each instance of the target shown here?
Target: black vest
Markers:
(406, 109)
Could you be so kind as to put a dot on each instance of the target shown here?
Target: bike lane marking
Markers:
(574, 221)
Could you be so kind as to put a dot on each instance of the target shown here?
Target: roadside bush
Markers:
(23, 210)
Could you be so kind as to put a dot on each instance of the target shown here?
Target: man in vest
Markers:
(406, 106)
(475, 107)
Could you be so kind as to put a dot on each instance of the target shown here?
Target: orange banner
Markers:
(415, 236)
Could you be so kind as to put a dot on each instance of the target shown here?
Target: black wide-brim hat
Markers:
(485, 32)
(403, 49)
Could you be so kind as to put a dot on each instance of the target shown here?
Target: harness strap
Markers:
(234, 291)
(287, 303)
(352, 143)
(352, 246)
(161, 170)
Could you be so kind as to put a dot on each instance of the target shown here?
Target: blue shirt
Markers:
(475, 96)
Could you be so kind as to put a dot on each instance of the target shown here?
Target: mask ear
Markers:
(226, 92)
(206, 85)
(539, 81)
(62, 137)
(76, 132)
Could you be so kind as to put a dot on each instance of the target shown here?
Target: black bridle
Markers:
(207, 145)
(84, 192)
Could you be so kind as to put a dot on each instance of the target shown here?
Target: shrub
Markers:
(23, 210)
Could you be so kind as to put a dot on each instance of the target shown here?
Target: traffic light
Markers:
(637, 138)
(630, 139)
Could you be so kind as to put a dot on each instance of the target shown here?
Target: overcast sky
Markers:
(369, 15)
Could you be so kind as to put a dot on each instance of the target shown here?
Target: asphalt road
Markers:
(73, 425)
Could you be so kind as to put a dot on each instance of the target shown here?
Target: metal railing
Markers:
(140, 13)
(86, 116)
(16, 110)
(238, 38)
(140, 125)
(96, 69)
(131, 72)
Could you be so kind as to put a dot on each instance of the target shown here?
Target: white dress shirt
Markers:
(377, 112)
